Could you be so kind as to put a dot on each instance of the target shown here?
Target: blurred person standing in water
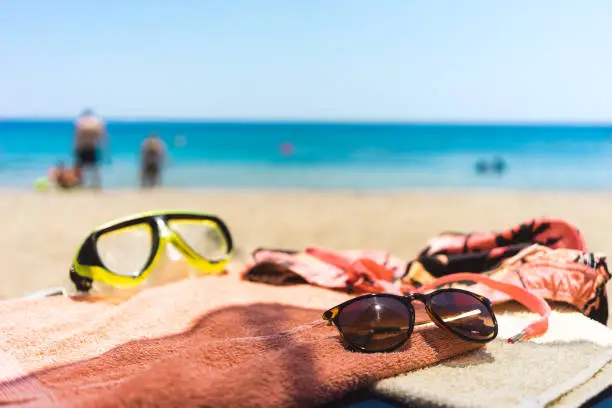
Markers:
(89, 139)
(152, 157)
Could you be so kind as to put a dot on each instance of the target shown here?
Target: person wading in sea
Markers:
(90, 137)
(152, 156)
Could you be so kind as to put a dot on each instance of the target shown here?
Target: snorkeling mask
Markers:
(150, 249)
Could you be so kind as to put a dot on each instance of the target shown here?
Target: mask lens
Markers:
(464, 314)
(375, 324)
(126, 251)
(204, 237)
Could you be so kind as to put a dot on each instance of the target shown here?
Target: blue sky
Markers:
(406, 60)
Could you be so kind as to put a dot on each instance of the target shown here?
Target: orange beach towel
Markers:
(209, 342)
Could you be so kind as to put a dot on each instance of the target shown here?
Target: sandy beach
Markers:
(42, 231)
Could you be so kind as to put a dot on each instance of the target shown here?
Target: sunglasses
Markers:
(124, 252)
(384, 322)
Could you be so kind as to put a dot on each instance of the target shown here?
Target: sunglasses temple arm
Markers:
(528, 299)
(58, 291)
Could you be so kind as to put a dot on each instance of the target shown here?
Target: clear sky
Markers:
(406, 60)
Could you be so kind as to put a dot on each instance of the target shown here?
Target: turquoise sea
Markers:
(326, 155)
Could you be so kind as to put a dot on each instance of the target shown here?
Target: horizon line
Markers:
(338, 121)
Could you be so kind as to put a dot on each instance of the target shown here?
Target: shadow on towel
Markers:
(257, 355)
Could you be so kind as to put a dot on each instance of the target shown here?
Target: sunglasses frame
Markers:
(87, 265)
(331, 316)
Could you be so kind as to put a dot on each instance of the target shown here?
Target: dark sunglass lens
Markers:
(464, 314)
(375, 324)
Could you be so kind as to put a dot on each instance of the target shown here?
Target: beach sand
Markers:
(42, 231)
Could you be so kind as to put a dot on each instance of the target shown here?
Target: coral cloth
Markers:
(207, 342)
(551, 232)
(545, 256)
(444, 254)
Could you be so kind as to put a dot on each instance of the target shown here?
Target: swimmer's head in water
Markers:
(88, 112)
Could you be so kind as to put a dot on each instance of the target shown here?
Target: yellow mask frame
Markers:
(88, 267)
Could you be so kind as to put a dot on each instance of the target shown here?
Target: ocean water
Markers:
(347, 156)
